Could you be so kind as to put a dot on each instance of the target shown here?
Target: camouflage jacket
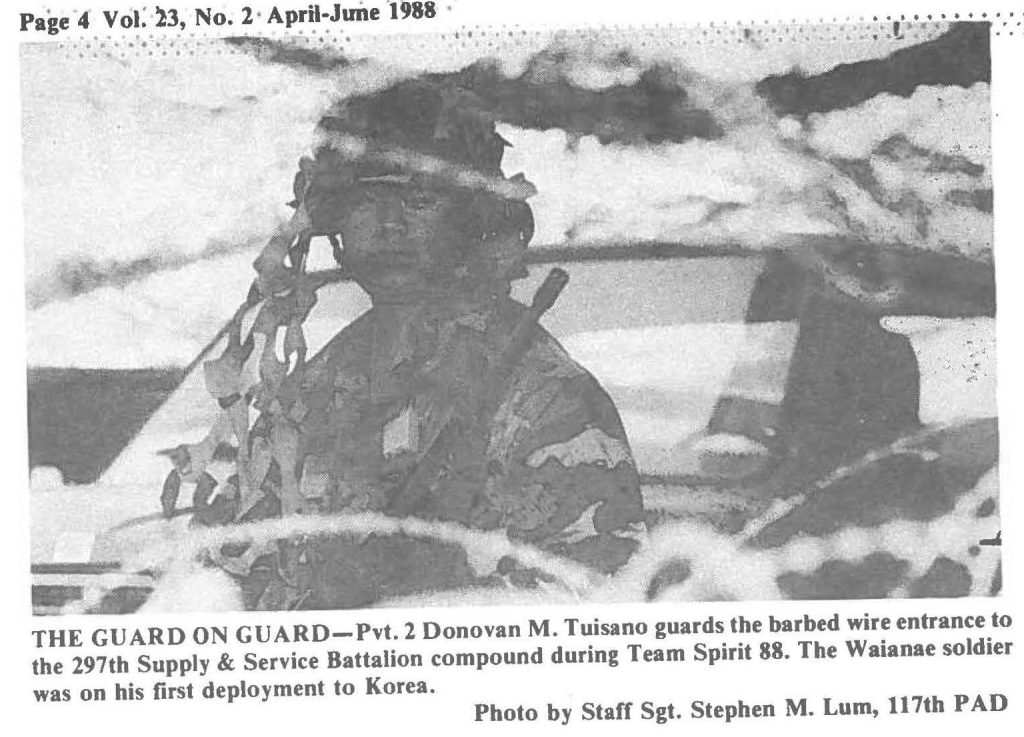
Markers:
(400, 414)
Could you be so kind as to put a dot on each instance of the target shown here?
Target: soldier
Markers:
(445, 401)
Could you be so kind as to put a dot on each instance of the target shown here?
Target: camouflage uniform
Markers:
(546, 459)
(429, 406)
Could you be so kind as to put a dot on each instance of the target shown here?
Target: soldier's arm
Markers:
(566, 478)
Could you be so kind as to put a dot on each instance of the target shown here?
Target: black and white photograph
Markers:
(494, 317)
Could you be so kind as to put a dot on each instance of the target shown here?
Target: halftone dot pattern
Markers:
(913, 28)
(150, 45)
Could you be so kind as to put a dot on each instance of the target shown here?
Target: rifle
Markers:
(407, 500)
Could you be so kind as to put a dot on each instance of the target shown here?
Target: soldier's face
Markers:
(402, 240)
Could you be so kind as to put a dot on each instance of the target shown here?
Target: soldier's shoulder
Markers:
(552, 392)
(548, 357)
(346, 353)
(545, 357)
(352, 341)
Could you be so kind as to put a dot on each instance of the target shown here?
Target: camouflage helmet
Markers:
(432, 135)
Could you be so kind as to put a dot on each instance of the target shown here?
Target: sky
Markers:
(152, 182)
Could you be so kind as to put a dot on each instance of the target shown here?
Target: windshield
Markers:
(668, 339)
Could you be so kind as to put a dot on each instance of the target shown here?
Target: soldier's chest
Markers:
(400, 399)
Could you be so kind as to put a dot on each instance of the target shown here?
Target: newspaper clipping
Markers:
(488, 369)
